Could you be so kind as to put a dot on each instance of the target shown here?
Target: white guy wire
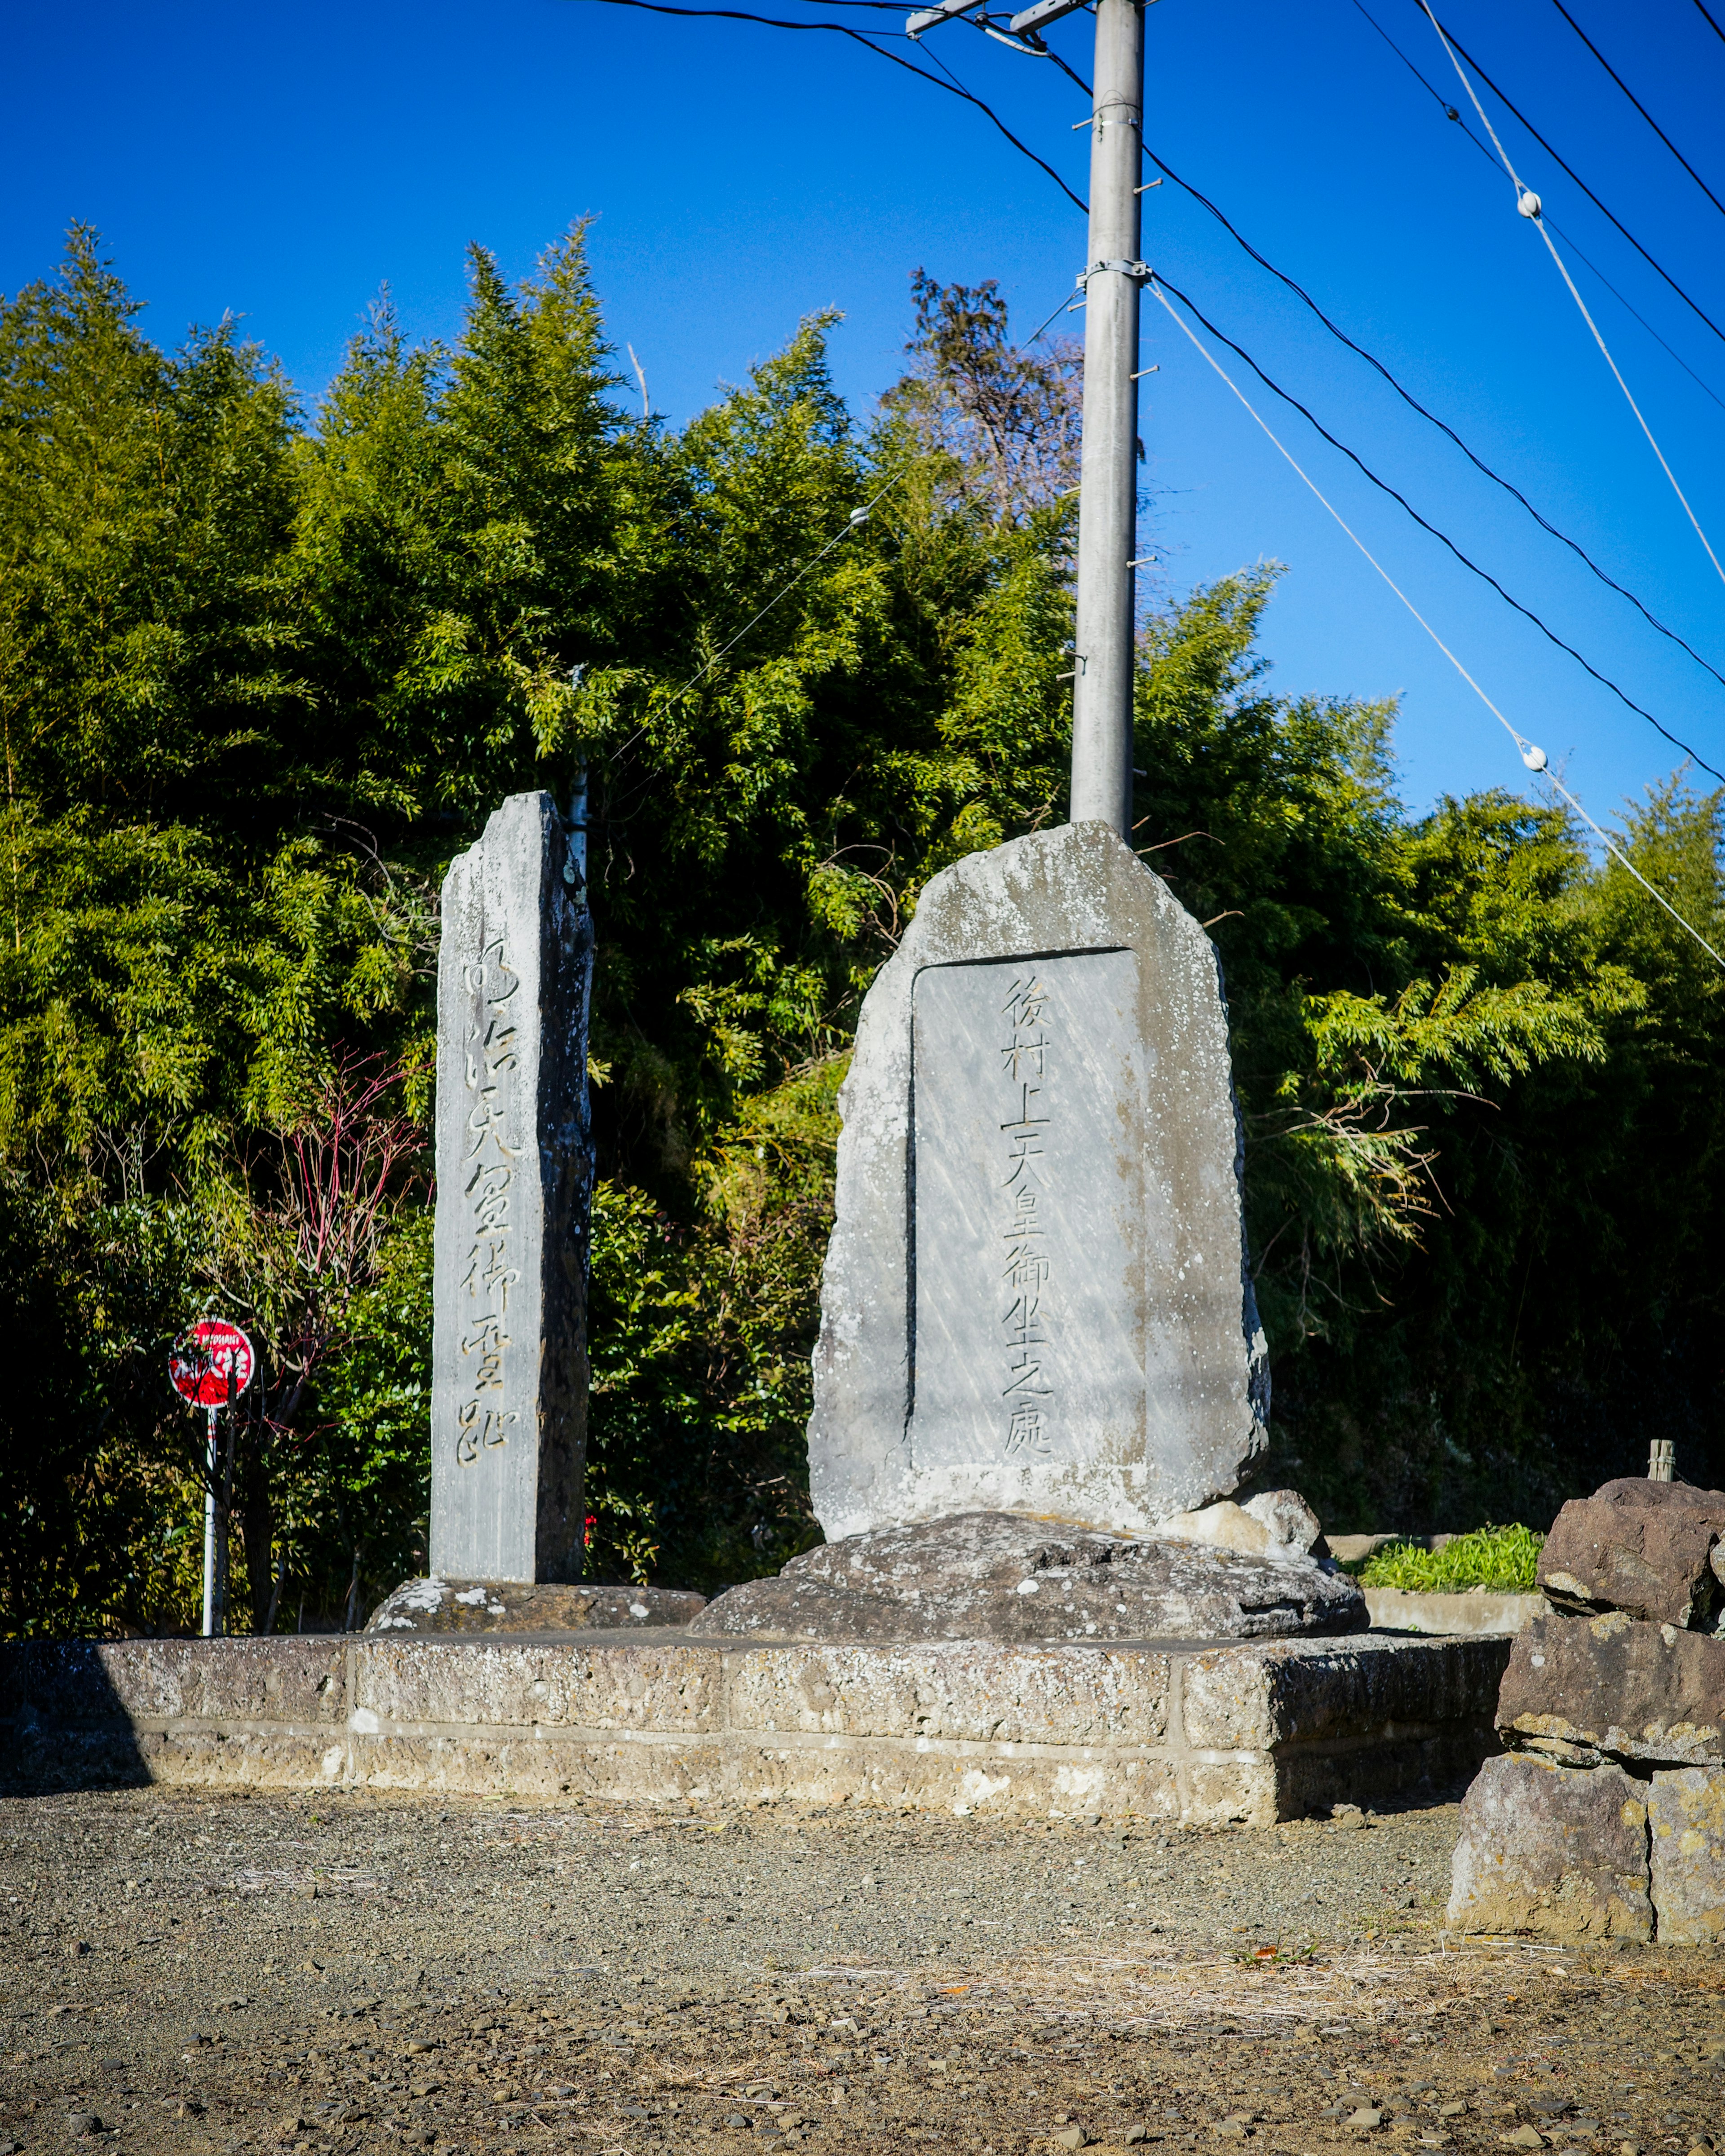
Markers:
(1532, 754)
(1528, 205)
(857, 518)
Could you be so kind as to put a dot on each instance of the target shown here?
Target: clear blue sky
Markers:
(283, 163)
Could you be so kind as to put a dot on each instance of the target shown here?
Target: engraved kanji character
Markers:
(489, 976)
(1025, 1433)
(1025, 1004)
(1020, 1316)
(1026, 1371)
(1025, 1268)
(1025, 1121)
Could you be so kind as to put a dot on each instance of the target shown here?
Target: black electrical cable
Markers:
(664, 8)
(1694, 308)
(1711, 24)
(1451, 112)
(1443, 426)
(953, 87)
(1384, 486)
(1640, 107)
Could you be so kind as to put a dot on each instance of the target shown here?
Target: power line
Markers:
(1443, 426)
(1640, 107)
(1509, 105)
(1533, 757)
(1711, 24)
(1450, 113)
(1527, 203)
(1425, 525)
(954, 87)
(957, 88)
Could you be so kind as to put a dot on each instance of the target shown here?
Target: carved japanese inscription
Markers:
(1027, 1219)
(513, 1173)
(492, 1136)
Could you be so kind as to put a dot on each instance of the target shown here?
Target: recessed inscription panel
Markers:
(1028, 1212)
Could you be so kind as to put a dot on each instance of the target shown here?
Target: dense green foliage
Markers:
(1500, 1560)
(263, 672)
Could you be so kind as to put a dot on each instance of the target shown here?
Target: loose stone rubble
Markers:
(1606, 1818)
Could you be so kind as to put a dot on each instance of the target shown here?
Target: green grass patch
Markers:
(1501, 1560)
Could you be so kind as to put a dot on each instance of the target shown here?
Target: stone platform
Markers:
(1177, 1730)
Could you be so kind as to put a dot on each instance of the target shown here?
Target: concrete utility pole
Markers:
(1107, 508)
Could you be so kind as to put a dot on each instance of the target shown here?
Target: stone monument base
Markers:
(1004, 1576)
(1173, 1730)
(515, 1605)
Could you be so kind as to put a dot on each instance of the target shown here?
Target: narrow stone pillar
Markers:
(513, 1185)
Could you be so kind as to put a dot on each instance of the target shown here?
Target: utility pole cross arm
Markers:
(927, 18)
(1043, 13)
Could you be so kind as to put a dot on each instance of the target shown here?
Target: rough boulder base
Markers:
(495, 1605)
(1651, 1549)
(1685, 1816)
(1554, 1851)
(514, 1181)
(1585, 1688)
(998, 1576)
(1035, 1298)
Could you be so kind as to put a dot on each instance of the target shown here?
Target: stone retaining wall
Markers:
(1171, 1730)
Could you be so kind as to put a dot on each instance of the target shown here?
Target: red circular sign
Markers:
(205, 1359)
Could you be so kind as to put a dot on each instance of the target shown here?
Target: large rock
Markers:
(1653, 1549)
(514, 1175)
(1276, 1523)
(1552, 1850)
(997, 1576)
(1686, 1815)
(1586, 1687)
(1035, 1297)
(493, 1605)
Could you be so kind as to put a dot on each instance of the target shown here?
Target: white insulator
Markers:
(1533, 757)
(1529, 203)
(859, 516)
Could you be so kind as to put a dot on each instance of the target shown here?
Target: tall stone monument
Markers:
(1035, 1300)
(514, 1182)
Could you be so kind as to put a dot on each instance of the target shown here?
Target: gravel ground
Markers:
(350, 1973)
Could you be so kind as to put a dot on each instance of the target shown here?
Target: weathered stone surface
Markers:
(411, 1685)
(1289, 1691)
(1050, 1729)
(1653, 1549)
(293, 1679)
(1034, 1299)
(514, 1178)
(1557, 1851)
(957, 1691)
(1686, 1815)
(1276, 1523)
(1588, 1686)
(998, 1576)
(502, 1605)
